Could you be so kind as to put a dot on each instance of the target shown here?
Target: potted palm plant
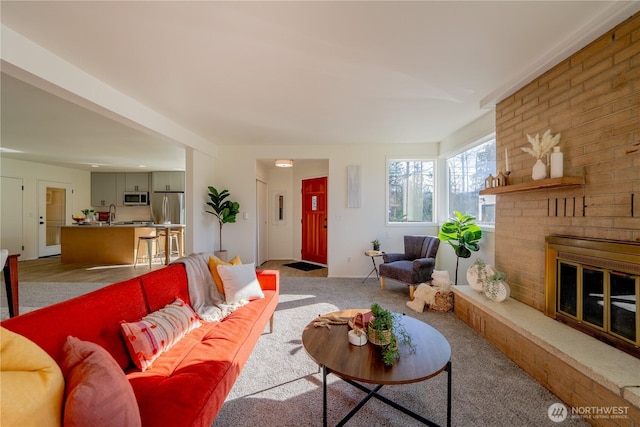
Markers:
(463, 234)
(224, 210)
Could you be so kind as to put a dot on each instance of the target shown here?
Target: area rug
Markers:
(281, 385)
(304, 266)
(33, 295)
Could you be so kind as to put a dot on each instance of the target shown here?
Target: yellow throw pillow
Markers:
(32, 383)
(214, 262)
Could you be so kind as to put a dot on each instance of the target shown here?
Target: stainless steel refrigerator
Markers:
(167, 207)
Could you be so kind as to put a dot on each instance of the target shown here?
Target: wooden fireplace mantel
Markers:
(543, 184)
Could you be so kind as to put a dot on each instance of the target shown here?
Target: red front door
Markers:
(314, 220)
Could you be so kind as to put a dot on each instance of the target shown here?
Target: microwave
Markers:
(136, 198)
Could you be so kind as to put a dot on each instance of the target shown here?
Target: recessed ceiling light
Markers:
(95, 166)
(283, 163)
(142, 166)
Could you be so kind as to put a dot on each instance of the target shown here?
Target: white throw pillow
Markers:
(240, 282)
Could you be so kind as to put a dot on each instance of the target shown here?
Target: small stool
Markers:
(173, 235)
(149, 241)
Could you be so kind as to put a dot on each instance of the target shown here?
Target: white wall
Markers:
(236, 168)
(31, 173)
(280, 236)
(452, 145)
(201, 232)
(350, 229)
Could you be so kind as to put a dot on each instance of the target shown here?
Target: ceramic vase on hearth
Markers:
(496, 290)
(478, 274)
(539, 170)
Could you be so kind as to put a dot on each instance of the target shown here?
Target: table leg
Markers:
(374, 269)
(181, 242)
(448, 369)
(11, 283)
(374, 393)
(324, 396)
(167, 244)
(371, 393)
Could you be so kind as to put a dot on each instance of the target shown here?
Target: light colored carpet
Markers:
(281, 386)
(34, 295)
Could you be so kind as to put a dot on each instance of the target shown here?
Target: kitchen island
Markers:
(103, 244)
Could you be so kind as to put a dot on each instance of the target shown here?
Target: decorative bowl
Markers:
(357, 337)
(78, 218)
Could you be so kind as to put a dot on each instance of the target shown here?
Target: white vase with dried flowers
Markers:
(540, 148)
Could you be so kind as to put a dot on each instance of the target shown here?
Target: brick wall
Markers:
(593, 99)
(575, 385)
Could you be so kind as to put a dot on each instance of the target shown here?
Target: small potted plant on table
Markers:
(89, 214)
(387, 332)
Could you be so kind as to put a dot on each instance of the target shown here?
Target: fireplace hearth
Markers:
(593, 286)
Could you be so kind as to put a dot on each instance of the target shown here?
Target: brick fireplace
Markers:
(593, 285)
(593, 99)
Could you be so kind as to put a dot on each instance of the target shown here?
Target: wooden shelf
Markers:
(565, 181)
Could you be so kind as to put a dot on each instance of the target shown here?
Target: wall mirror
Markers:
(279, 201)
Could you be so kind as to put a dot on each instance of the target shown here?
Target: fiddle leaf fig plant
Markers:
(223, 209)
(463, 234)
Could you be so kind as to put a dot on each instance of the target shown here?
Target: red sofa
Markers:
(188, 383)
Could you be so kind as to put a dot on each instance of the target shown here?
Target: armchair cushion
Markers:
(393, 257)
(424, 263)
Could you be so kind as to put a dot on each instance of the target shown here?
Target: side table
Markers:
(373, 255)
(10, 270)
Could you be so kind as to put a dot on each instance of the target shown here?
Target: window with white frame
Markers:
(467, 173)
(410, 190)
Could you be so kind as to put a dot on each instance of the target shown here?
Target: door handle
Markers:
(41, 223)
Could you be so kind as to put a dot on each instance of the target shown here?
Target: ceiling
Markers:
(282, 73)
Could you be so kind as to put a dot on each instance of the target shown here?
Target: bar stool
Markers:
(173, 235)
(149, 240)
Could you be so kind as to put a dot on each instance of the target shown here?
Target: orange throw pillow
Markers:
(214, 262)
(98, 393)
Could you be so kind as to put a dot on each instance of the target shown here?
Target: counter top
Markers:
(104, 244)
(104, 224)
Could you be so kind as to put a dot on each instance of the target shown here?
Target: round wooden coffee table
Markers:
(330, 349)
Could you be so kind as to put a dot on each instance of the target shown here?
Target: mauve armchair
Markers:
(412, 267)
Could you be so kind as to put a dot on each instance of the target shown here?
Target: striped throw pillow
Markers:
(157, 332)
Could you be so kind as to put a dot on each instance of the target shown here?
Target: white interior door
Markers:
(11, 213)
(54, 210)
(262, 225)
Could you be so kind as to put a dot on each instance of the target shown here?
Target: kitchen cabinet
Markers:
(167, 181)
(103, 189)
(136, 181)
(108, 187)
